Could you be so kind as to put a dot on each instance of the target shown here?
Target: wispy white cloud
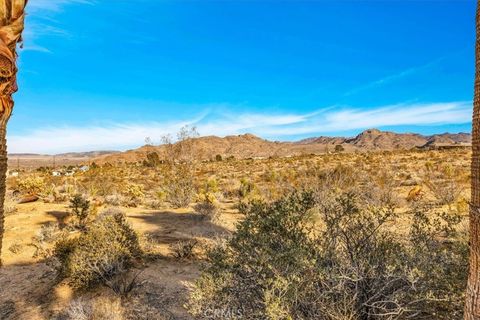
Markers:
(40, 22)
(35, 31)
(329, 120)
(393, 77)
(52, 5)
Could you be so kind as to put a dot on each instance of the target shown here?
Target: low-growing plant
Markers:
(9, 208)
(184, 249)
(48, 233)
(247, 187)
(135, 194)
(207, 210)
(115, 199)
(16, 247)
(442, 180)
(102, 308)
(206, 207)
(108, 247)
(32, 185)
(334, 256)
(122, 282)
(271, 244)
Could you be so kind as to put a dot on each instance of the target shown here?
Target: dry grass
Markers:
(140, 191)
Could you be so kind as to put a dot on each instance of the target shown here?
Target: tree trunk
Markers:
(3, 175)
(11, 27)
(472, 302)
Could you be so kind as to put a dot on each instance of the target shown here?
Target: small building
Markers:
(56, 174)
(84, 168)
(69, 173)
(13, 173)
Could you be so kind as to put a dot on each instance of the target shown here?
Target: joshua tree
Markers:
(11, 26)
(472, 304)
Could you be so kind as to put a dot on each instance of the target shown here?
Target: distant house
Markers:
(84, 168)
(69, 173)
(56, 173)
(13, 173)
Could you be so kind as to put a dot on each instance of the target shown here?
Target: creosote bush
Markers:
(335, 256)
(107, 248)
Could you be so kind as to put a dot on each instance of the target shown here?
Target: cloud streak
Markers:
(282, 126)
(393, 77)
(52, 5)
(40, 23)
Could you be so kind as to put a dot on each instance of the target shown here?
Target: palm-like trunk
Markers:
(472, 304)
(11, 27)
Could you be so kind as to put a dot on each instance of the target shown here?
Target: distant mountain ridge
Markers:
(88, 154)
(250, 146)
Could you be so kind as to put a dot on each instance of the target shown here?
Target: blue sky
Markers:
(105, 74)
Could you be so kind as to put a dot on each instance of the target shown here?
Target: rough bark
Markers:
(472, 302)
(11, 27)
(3, 172)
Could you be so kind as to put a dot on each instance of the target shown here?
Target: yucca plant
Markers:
(12, 15)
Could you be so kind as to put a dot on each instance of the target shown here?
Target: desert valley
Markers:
(182, 208)
(239, 160)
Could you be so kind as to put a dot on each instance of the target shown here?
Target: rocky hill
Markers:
(250, 146)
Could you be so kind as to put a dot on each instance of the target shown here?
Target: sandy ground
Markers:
(29, 288)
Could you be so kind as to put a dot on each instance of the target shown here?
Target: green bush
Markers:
(335, 256)
(179, 185)
(80, 208)
(105, 249)
(271, 246)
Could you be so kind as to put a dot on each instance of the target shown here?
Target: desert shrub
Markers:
(335, 257)
(32, 185)
(206, 207)
(16, 247)
(247, 188)
(102, 308)
(152, 160)
(270, 246)
(439, 252)
(379, 190)
(110, 212)
(122, 282)
(107, 248)
(9, 208)
(66, 190)
(80, 208)
(340, 178)
(184, 249)
(115, 199)
(153, 204)
(47, 234)
(207, 210)
(443, 182)
(179, 171)
(135, 193)
(179, 185)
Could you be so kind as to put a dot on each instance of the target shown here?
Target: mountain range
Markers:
(250, 146)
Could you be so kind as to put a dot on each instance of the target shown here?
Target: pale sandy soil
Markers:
(29, 289)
